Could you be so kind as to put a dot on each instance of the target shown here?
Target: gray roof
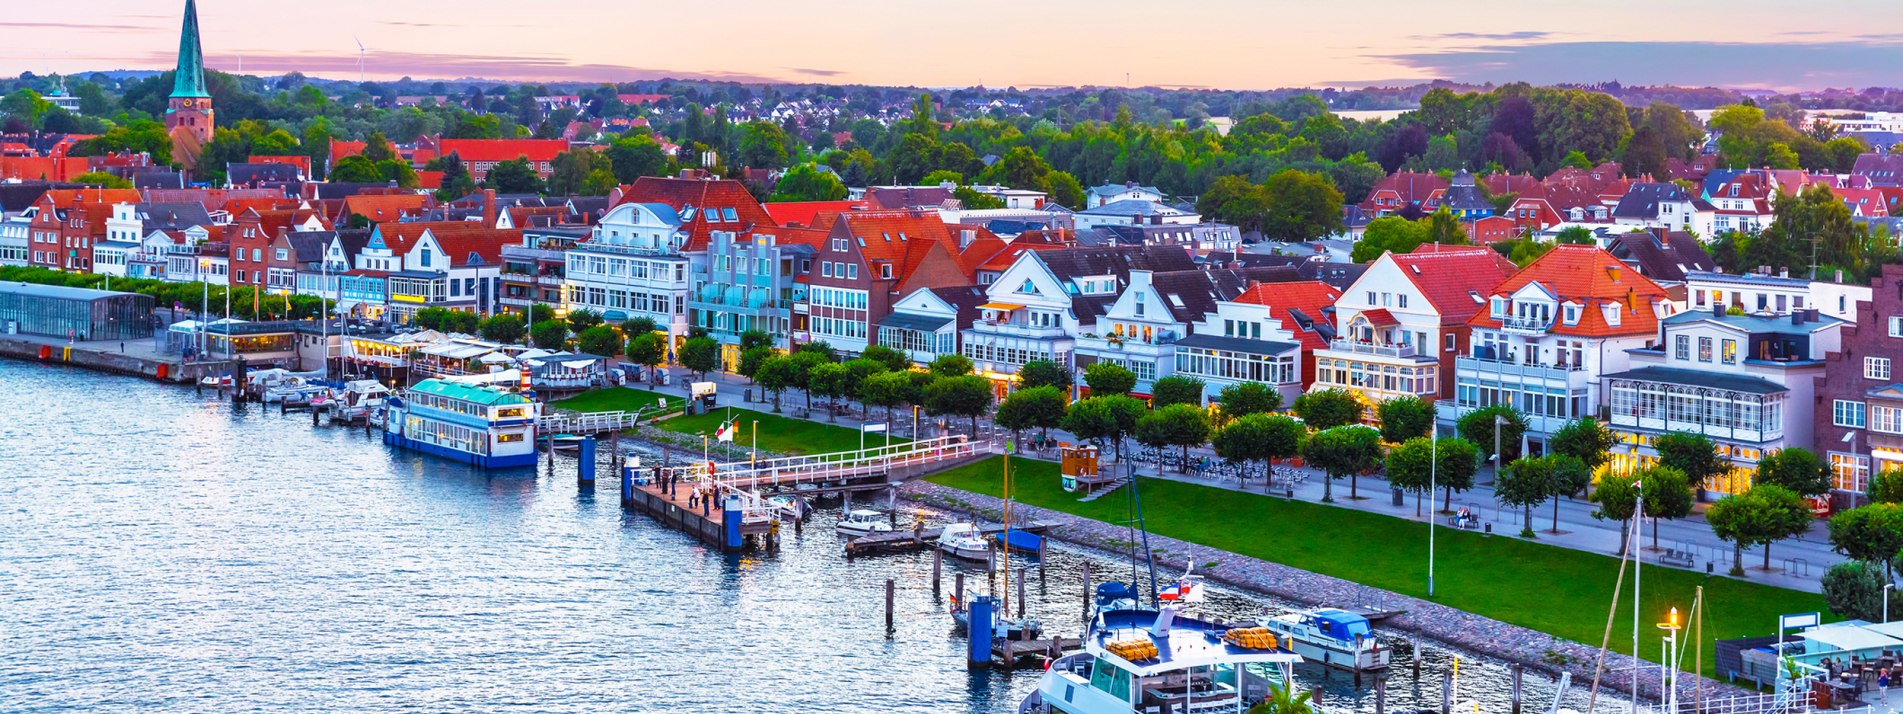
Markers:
(1752, 280)
(1111, 189)
(1643, 199)
(170, 216)
(1760, 324)
(1070, 263)
(1699, 378)
(61, 292)
(1237, 344)
(1133, 207)
(920, 323)
(309, 246)
(1673, 258)
(1191, 294)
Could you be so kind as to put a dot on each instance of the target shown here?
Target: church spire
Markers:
(190, 80)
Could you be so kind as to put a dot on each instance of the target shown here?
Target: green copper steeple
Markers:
(190, 81)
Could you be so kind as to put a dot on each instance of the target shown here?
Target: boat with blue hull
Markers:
(486, 427)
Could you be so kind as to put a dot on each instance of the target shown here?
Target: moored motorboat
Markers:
(861, 522)
(964, 540)
(1332, 636)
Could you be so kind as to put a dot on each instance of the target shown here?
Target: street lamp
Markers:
(1668, 674)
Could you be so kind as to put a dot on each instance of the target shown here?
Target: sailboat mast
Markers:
(1007, 528)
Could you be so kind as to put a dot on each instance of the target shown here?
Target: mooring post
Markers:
(889, 588)
(1086, 591)
(729, 517)
(979, 631)
(1517, 671)
(958, 590)
(938, 564)
(585, 463)
(1021, 572)
(1381, 696)
(1446, 692)
(627, 484)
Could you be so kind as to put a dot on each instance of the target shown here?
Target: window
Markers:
(1844, 412)
(1876, 368)
(1451, 345)
(1730, 353)
(885, 271)
(1499, 306)
(283, 254)
(1849, 472)
(1704, 349)
(1370, 298)
(1682, 348)
(424, 259)
(825, 268)
(1572, 314)
(852, 271)
(1896, 325)
(1888, 420)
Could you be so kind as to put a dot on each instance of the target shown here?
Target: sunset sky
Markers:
(1234, 44)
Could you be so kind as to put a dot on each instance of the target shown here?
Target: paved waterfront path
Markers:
(1798, 563)
(1460, 628)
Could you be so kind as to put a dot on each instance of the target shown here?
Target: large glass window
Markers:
(1847, 413)
(1849, 472)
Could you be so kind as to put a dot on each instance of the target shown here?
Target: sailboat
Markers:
(1004, 626)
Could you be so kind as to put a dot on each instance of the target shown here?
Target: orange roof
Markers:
(484, 243)
(681, 194)
(1591, 277)
(432, 180)
(302, 162)
(538, 150)
(343, 149)
(236, 206)
(1312, 297)
(384, 208)
(802, 213)
(902, 238)
(1448, 276)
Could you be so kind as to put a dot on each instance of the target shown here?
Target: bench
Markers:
(1681, 558)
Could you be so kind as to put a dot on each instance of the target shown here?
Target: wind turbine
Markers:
(360, 53)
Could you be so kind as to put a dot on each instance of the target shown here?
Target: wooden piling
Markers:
(890, 587)
(1518, 670)
(938, 566)
(958, 589)
(1086, 591)
(1021, 572)
(1381, 696)
(1446, 692)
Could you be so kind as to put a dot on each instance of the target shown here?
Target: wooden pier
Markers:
(704, 519)
(899, 541)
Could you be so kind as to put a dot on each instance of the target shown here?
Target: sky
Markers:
(1227, 44)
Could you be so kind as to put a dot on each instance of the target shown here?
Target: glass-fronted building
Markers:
(75, 313)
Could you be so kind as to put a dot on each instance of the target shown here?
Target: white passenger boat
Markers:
(964, 540)
(861, 522)
(1139, 661)
(482, 426)
(1334, 637)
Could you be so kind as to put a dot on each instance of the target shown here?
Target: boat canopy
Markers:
(1184, 643)
(1342, 624)
(860, 514)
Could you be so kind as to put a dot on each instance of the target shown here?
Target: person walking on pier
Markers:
(1883, 685)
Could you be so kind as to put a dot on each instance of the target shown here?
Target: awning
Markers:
(496, 358)
(1849, 637)
(919, 323)
(1237, 344)
(456, 351)
(1005, 306)
(1380, 318)
(579, 364)
(614, 316)
(1701, 378)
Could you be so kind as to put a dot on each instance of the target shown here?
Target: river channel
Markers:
(162, 551)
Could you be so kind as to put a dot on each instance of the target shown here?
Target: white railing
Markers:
(593, 422)
(1526, 325)
(1369, 348)
(744, 479)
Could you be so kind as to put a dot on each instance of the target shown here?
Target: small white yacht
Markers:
(964, 540)
(1334, 637)
(860, 522)
(1139, 660)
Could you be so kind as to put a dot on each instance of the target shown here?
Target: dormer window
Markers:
(1572, 314)
(1612, 314)
(1499, 308)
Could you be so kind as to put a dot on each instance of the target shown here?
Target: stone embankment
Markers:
(1512, 643)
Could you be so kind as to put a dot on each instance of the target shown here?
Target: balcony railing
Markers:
(1526, 325)
(1557, 373)
(1370, 348)
(1006, 327)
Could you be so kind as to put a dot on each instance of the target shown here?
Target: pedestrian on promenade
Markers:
(122, 348)
(1883, 685)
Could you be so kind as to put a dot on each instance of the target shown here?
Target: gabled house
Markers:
(1881, 169)
(751, 284)
(1128, 191)
(632, 265)
(1462, 197)
(1857, 413)
(1648, 204)
(1742, 203)
(68, 222)
(703, 205)
(1268, 334)
(868, 261)
(1401, 326)
(1664, 256)
(927, 323)
(1401, 190)
(1140, 328)
(1544, 336)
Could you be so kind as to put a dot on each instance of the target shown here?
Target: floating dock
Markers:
(899, 541)
(719, 522)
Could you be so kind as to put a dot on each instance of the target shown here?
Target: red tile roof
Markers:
(681, 194)
(385, 208)
(1380, 317)
(303, 163)
(803, 213)
(538, 150)
(902, 238)
(1593, 278)
(1312, 297)
(1448, 276)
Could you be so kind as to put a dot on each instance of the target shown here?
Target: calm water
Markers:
(159, 551)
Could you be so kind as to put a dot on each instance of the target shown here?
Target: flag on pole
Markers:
(726, 431)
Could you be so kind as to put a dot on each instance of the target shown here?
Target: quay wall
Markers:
(90, 357)
(1487, 636)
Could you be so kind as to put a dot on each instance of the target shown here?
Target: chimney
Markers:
(1797, 317)
(488, 208)
(1253, 284)
(1840, 276)
(1784, 272)
(1717, 310)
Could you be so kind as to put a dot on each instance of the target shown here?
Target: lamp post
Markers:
(1887, 587)
(1668, 672)
(1433, 469)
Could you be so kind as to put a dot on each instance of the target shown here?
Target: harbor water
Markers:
(163, 551)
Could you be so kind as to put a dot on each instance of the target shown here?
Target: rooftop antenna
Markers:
(360, 52)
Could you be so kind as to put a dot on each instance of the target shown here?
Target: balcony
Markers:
(1529, 326)
(1013, 329)
(522, 251)
(1570, 374)
(1346, 347)
(1663, 423)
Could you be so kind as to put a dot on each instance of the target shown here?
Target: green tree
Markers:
(1045, 373)
(893, 360)
(1105, 378)
(514, 176)
(549, 334)
(355, 169)
(635, 156)
(1405, 418)
(1233, 200)
(1797, 469)
(1260, 437)
(1762, 515)
(758, 338)
(1668, 495)
(1585, 439)
(1244, 398)
(649, 350)
(806, 182)
(570, 169)
(762, 145)
(1283, 699)
(969, 396)
(950, 366)
(1174, 425)
(1177, 389)
(639, 325)
(1302, 207)
(804, 362)
(1324, 409)
(776, 375)
(1478, 426)
(1104, 418)
(599, 340)
(828, 381)
(1526, 483)
(701, 354)
(888, 390)
(752, 358)
(1032, 408)
(1388, 234)
(102, 180)
(583, 319)
(857, 372)
(1854, 590)
(824, 351)
(1575, 235)
(1066, 190)
(1343, 451)
(1886, 486)
(1691, 454)
(507, 328)
(1618, 499)
(1872, 533)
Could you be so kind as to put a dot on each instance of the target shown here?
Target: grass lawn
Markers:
(1556, 590)
(779, 433)
(618, 399)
